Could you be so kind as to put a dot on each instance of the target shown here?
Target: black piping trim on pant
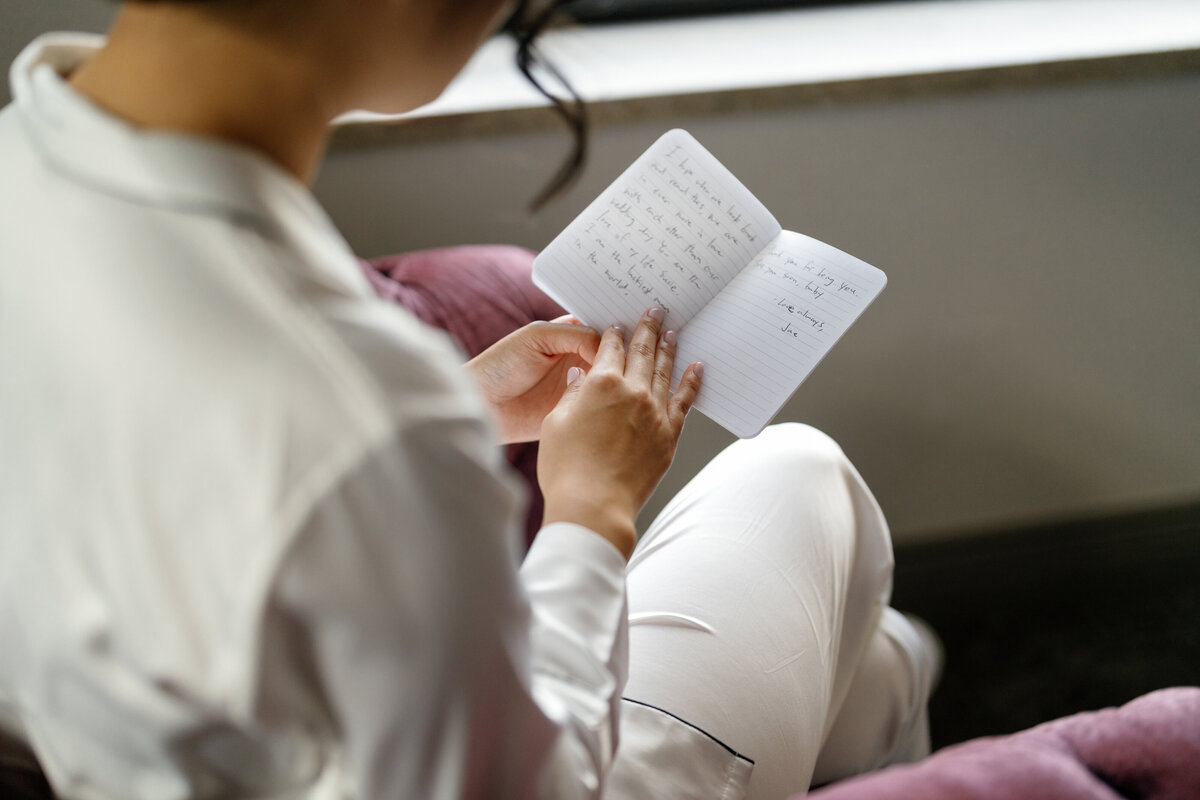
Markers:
(732, 752)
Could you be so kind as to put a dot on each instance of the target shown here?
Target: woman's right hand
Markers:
(611, 437)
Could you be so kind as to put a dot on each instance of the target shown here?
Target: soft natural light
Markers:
(818, 45)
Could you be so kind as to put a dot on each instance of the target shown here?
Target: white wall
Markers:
(22, 20)
(1036, 352)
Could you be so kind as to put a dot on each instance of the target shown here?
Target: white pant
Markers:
(758, 614)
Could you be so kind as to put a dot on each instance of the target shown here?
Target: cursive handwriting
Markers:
(669, 230)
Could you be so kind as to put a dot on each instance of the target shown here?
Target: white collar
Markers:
(157, 168)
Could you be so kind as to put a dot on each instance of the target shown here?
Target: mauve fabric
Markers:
(1148, 749)
(478, 294)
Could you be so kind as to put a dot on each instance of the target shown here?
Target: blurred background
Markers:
(1024, 398)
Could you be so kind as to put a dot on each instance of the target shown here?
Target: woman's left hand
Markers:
(523, 375)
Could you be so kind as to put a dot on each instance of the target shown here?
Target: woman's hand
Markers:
(523, 375)
(611, 437)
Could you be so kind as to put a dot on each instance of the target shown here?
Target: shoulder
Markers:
(382, 370)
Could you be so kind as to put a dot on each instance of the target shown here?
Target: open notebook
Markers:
(760, 306)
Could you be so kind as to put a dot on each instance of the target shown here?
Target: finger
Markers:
(643, 347)
(685, 395)
(575, 377)
(664, 363)
(561, 338)
(611, 355)
(566, 319)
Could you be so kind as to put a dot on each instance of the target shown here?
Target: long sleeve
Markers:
(576, 584)
(399, 626)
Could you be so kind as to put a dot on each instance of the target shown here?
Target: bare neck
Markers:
(169, 66)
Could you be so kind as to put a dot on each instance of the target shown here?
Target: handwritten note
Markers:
(673, 230)
(772, 325)
(760, 306)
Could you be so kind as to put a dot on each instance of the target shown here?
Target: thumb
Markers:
(563, 338)
(574, 382)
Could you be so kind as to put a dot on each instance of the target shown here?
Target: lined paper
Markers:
(671, 231)
(771, 326)
(758, 305)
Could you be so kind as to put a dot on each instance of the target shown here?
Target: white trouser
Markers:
(760, 631)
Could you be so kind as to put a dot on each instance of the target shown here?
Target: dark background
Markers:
(1048, 621)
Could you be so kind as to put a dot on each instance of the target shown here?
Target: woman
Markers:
(256, 537)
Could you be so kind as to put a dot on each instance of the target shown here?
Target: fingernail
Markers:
(656, 314)
(619, 328)
(670, 337)
(698, 368)
(574, 374)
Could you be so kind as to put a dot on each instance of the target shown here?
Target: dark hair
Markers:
(524, 25)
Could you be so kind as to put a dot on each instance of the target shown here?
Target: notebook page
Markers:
(775, 321)
(671, 231)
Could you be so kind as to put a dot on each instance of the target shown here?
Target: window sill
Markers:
(710, 64)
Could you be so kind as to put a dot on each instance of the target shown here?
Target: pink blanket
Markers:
(1148, 749)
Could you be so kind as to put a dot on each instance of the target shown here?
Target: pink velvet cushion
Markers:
(478, 294)
(1148, 749)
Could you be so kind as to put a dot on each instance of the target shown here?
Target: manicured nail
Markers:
(698, 369)
(574, 374)
(670, 337)
(656, 314)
